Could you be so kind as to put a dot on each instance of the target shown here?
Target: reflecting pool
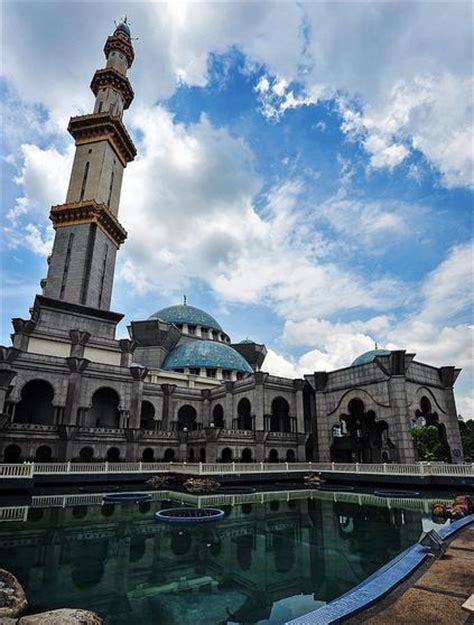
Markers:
(273, 557)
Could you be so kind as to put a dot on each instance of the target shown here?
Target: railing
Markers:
(20, 513)
(30, 469)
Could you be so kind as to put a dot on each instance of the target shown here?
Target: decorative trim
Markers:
(103, 127)
(110, 77)
(86, 212)
(117, 42)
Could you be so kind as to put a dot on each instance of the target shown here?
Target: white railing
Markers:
(16, 470)
(30, 469)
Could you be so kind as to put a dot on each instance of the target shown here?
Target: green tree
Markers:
(427, 443)
(467, 439)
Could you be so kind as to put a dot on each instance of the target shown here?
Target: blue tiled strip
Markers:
(378, 584)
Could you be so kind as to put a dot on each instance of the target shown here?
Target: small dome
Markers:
(124, 28)
(186, 314)
(208, 354)
(247, 342)
(370, 356)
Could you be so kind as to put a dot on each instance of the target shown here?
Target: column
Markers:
(321, 431)
(127, 348)
(168, 390)
(301, 436)
(259, 403)
(6, 376)
(448, 376)
(229, 405)
(79, 340)
(205, 411)
(138, 374)
(77, 366)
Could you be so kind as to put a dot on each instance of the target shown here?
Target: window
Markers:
(227, 375)
(239, 375)
(100, 109)
(191, 329)
(211, 373)
(194, 370)
(110, 188)
(84, 180)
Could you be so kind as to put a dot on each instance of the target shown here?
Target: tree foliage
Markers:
(428, 443)
(467, 438)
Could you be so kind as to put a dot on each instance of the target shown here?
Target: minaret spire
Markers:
(88, 233)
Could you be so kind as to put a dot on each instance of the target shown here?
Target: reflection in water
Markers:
(264, 562)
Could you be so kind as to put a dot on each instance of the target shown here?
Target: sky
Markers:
(304, 170)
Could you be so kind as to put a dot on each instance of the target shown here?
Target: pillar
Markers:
(168, 390)
(127, 348)
(77, 366)
(138, 374)
(259, 403)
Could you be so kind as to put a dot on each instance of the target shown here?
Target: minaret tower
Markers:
(88, 233)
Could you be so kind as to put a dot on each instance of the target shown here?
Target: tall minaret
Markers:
(88, 233)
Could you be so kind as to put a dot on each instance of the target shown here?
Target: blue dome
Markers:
(370, 356)
(209, 354)
(186, 314)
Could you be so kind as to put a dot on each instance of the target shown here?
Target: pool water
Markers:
(270, 560)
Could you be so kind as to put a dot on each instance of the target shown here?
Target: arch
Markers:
(273, 455)
(148, 455)
(169, 455)
(86, 454)
(280, 417)
(218, 416)
(244, 415)
(12, 453)
(44, 453)
(88, 562)
(244, 551)
(290, 455)
(202, 455)
(36, 403)
(309, 449)
(226, 455)
(191, 455)
(113, 454)
(137, 548)
(425, 404)
(147, 416)
(104, 412)
(187, 418)
(247, 455)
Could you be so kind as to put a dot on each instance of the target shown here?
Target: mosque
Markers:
(179, 388)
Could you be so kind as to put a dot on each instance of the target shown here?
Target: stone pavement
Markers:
(437, 596)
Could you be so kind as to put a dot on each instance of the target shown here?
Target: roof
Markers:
(123, 27)
(370, 356)
(209, 354)
(186, 314)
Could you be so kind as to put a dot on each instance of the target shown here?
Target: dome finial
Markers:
(376, 346)
(185, 300)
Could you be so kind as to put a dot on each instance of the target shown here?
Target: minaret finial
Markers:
(185, 300)
(376, 346)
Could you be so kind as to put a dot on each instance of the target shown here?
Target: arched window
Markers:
(169, 455)
(218, 416)
(86, 454)
(147, 414)
(244, 417)
(12, 453)
(191, 456)
(226, 455)
(36, 404)
(202, 455)
(280, 418)
(104, 412)
(148, 455)
(187, 418)
(246, 455)
(44, 453)
(84, 181)
(113, 454)
(290, 455)
(273, 455)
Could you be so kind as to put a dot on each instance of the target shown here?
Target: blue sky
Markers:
(304, 170)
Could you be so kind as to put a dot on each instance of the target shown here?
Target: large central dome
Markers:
(184, 313)
(208, 354)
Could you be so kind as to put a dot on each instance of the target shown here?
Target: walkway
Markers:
(437, 596)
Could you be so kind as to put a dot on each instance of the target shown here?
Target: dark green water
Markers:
(264, 563)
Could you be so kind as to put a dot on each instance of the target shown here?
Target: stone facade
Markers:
(70, 391)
